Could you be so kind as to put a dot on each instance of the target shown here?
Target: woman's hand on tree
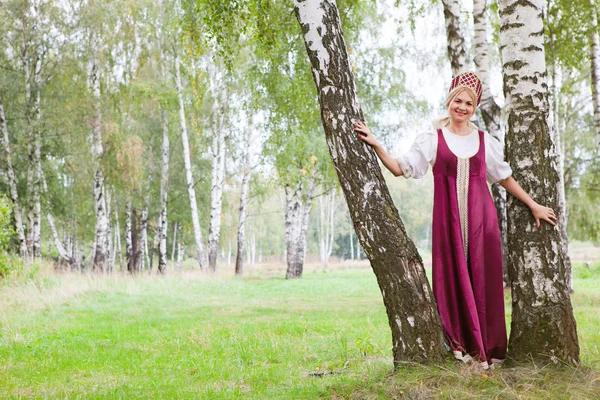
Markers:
(543, 213)
(364, 133)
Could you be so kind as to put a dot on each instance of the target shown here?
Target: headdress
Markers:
(469, 80)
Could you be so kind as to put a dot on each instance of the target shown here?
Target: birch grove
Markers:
(542, 323)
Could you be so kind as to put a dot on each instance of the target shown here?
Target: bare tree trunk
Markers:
(12, 184)
(562, 203)
(352, 245)
(298, 204)
(62, 252)
(145, 256)
(241, 237)
(457, 52)
(129, 253)
(216, 192)
(595, 67)
(37, 164)
(99, 256)
(542, 317)
(180, 250)
(175, 229)
(326, 226)
(118, 248)
(164, 192)
(491, 114)
(412, 315)
(188, 170)
(109, 240)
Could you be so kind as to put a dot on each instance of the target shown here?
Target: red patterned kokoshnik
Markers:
(469, 80)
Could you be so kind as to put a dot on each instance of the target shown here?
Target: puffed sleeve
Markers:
(497, 168)
(416, 161)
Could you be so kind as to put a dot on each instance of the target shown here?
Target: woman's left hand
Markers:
(545, 213)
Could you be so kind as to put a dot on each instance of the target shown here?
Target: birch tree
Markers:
(99, 256)
(298, 205)
(188, 168)
(244, 194)
(457, 52)
(556, 130)
(12, 183)
(491, 113)
(164, 192)
(595, 67)
(542, 323)
(412, 315)
(219, 121)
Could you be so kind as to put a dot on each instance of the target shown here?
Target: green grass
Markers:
(188, 336)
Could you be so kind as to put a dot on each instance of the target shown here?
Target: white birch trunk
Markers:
(145, 256)
(188, 170)
(412, 316)
(562, 203)
(109, 237)
(457, 52)
(491, 113)
(129, 238)
(180, 251)
(321, 230)
(216, 192)
(12, 184)
(351, 246)
(595, 67)
(37, 165)
(175, 229)
(241, 237)
(298, 205)
(164, 192)
(62, 252)
(99, 256)
(332, 208)
(542, 323)
(118, 247)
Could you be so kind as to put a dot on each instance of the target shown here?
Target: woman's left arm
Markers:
(539, 212)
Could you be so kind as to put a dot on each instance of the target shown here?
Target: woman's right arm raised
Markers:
(364, 134)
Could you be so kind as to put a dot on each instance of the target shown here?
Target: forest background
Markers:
(159, 137)
(99, 99)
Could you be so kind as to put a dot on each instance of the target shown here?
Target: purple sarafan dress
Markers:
(467, 258)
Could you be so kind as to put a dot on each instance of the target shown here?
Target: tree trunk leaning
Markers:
(412, 314)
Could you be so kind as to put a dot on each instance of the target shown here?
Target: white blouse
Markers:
(416, 161)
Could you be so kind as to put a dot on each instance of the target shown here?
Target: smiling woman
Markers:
(466, 251)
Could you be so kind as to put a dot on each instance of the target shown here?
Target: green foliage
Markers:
(6, 234)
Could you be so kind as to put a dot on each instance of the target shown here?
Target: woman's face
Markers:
(461, 107)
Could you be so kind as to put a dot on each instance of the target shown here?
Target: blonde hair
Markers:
(458, 90)
(442, 122)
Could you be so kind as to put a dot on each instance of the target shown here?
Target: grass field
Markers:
(190, 336)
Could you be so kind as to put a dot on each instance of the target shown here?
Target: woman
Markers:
(466, 250)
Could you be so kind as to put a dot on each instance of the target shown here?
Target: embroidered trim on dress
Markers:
(462, 194)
